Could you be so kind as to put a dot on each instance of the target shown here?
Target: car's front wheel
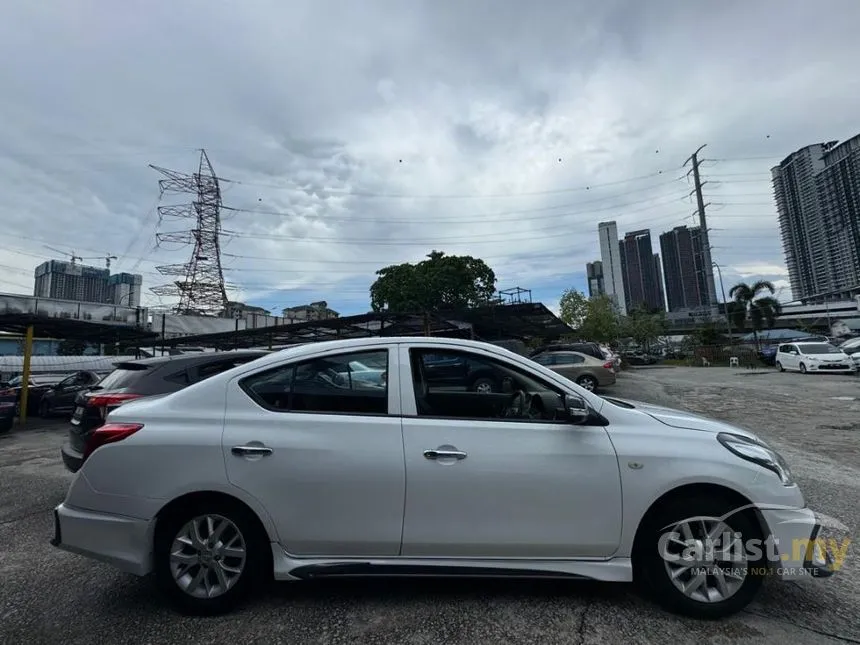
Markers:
(803, 368)
(44, 409)
(210, 557)
(703, 558)
(779, 366)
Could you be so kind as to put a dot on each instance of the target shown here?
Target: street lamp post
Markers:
(725, 302)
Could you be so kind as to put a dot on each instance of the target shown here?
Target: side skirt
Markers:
(289, 568)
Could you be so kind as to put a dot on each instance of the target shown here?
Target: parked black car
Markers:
(39, 384)
(60, 399)
(136, 379)
(587, 348)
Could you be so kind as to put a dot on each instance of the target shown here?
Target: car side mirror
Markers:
(576, 409)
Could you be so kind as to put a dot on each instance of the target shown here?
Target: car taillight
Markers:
(608, 365)
(106, 402)
(109, 433)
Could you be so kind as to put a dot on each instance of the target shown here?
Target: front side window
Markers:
(462, 385)
(353, 383)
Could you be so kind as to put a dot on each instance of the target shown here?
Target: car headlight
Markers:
(759, 453)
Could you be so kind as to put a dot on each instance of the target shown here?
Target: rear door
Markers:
(568, 364)
(322, 452)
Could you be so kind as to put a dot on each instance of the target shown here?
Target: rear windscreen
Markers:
(124, 376)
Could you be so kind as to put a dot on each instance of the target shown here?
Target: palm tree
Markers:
(759, 310)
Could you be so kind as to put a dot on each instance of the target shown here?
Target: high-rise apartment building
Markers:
(659, 269)
(594, 274)
(801, 223)
(684, 269)
(639, 268)
(610, 256)
(71, 281)
(839, 201)
(817, 193)
(124, 289)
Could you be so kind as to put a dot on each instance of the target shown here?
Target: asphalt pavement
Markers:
(48, 596)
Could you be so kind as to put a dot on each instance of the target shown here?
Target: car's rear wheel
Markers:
(209, 557)
(44, 409)
(588, 382)
(696, 557)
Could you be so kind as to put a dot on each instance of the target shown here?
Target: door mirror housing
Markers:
(576, 408)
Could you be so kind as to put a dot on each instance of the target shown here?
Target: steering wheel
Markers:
(517, 405)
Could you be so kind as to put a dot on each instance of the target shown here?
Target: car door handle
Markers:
(248, 451)
(444, 454)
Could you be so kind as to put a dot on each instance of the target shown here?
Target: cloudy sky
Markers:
(361, 134)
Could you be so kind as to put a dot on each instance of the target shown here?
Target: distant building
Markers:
(71, 281)
(594, 273)
(613, 281)
(659, 271)
(314, 311)
(124, 289)
(241, 310)
(641, 279)
(684, 269)
(817, 193)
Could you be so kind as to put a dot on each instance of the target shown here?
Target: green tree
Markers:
(751, 305)
(71, 347)
(600, 323)
(573, 308)
(441, 282)
(644, 326)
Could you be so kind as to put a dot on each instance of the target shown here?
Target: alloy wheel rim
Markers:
(705, 560)
(588, 384)
(208, 556)
(483, 388)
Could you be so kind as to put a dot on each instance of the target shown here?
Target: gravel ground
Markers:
(48, 596)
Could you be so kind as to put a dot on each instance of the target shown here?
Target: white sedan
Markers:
(275, 470)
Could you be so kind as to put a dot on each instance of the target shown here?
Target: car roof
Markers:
(195, 358)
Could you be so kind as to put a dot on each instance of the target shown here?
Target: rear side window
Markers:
(353, 383)
(569, 358)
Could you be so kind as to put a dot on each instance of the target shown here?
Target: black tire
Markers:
(803, 368)
(588, 382)
(779, 366)
(44, 409)
(257, 571)
(485, 381)
(650, 569)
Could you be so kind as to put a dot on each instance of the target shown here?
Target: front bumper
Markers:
(124, 542)
(802, 545)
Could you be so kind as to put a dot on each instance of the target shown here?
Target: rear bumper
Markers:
(124, 542)
(72, 459)
(802, 545)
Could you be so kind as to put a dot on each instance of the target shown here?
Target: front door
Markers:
(322, 451)
(502, 475)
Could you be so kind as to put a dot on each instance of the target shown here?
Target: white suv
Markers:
(813, 357)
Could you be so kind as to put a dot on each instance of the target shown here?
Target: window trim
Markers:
(293, 364)
(407, 384)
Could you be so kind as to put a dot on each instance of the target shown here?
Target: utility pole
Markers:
(707, 262)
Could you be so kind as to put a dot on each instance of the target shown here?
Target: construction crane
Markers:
(107, 257)
(71, 255)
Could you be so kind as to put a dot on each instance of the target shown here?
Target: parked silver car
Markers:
(275, 469)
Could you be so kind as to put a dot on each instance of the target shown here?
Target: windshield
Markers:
(818, 348)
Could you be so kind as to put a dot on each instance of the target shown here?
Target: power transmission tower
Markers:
(202, 290)
(707, 262)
